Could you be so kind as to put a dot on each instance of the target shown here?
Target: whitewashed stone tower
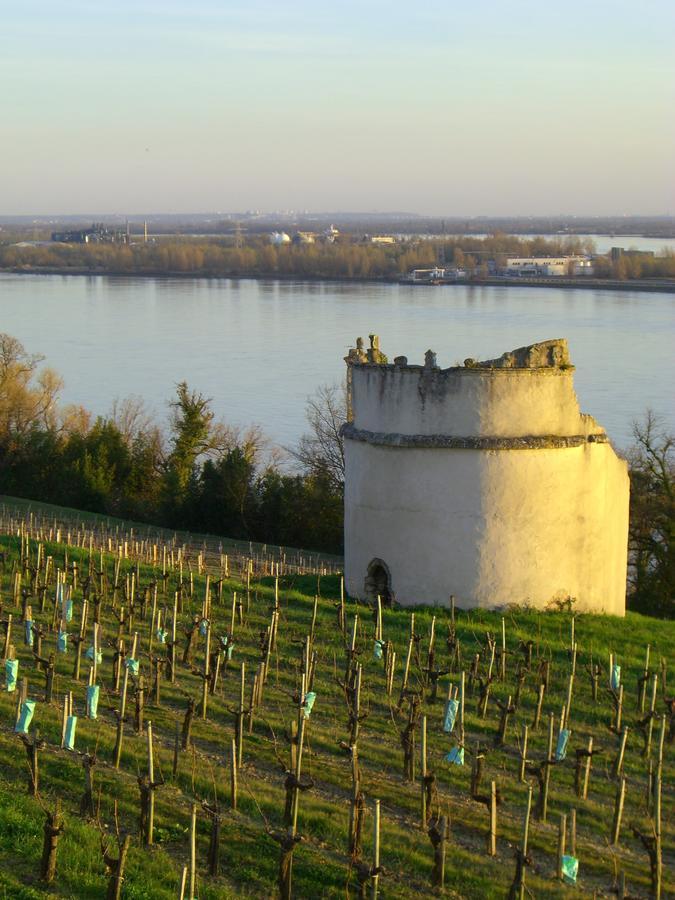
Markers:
(483, 481)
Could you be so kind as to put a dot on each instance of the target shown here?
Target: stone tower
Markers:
(484, 481)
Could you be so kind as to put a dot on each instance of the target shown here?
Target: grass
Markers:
(67, 517)
(321, 867)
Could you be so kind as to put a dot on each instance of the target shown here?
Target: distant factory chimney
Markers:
(145, 232)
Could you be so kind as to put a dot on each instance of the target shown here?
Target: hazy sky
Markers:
(473, 107)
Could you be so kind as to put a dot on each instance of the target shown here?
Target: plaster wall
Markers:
(492, 527)
(461, 402)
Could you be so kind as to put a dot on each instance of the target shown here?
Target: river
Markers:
(260, 348)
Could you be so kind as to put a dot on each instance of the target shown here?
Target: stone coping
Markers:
(465, 370)
(444, 441)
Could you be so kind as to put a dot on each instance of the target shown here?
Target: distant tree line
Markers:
(344, 259)
(201, 475)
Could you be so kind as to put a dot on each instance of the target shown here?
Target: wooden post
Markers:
(153, 619)
(151, 789)
(618, 811)
(503, 656)
(462, 692)
(619, 709)
(643, 683)
(342, 619)
(568, 702)
(183, 883)
(207, 661)
(617, 768)
(240, 716)
(659, 761)
(520, 887)
(376, 848)
(573, 833)
(523, 756)
(650, 724)
(406, 671)
(547, 773)
(621, 887)
(120, 719)
(298, 768)
(172, 648)
(193, 851)
(391, 659)
(540, 702)
(587, 769)
(423, 773)
(562, 831)
(657, 837)
(94, 665)
(492, 843)
(233, 774)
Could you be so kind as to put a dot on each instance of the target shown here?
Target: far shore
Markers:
(665, 286)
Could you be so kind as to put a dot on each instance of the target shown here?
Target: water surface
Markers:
(259, 348)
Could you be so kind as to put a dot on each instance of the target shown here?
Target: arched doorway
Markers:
(378, 582)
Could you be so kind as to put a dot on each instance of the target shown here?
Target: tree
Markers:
(191, 436)
(321, 451)
(652, 519)
(27, 395)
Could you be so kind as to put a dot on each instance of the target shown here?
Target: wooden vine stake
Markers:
(357, 808)
(148, 787)
(658, 849)
(523, 756)
(617, 768)
(562, 832)
(376, 849)
(587, 769)
(117, 755)
(193, 853)
(572, 849)
(233, 774)
(517, 891)
(652, 714)
(492, 842)
(618, 811)
(423, 773)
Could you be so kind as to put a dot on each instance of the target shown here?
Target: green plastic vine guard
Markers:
(90, 655)
(455, 756)
(11, 674)
(616, 676)
(561, 746)
(450, 715)
(25, 717)
(71, 727)
(310, 697)
(93, 691)
(570, 869)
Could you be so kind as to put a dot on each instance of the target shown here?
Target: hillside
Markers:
(126, 590)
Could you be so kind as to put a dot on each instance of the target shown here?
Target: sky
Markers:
(437, 107)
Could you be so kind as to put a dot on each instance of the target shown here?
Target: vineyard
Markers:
(181, 724)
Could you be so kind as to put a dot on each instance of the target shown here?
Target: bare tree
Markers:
(652, 519)
(131, 418)
(321, 451)
(28, 394)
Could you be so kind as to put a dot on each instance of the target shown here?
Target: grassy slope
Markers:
(21, 506)
(320, 869)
